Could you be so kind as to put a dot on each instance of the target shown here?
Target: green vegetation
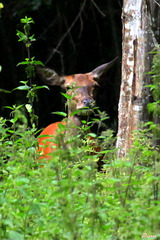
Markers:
(68, 198)
(154, 107)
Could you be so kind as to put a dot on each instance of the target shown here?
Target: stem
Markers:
(29, 57)
(155, 185)
(30, 84)
(128, 185)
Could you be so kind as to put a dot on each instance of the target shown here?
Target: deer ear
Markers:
(49, 76)
(99, 71)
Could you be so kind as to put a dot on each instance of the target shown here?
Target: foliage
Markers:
(67, 198)
(154, 107)
(1, 6)
(30, 63)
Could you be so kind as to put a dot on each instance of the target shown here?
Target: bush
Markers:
(69, 199)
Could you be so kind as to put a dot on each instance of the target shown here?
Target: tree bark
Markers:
(137, 41)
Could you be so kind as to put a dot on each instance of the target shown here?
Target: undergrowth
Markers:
(68, 198)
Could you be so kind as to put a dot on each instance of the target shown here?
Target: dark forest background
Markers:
(71, 37)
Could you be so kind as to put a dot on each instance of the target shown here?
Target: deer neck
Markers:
(75, 120)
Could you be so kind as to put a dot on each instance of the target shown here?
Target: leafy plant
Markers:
(29, 64)
(154, 107)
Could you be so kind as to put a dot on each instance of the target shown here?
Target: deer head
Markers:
(79, 86)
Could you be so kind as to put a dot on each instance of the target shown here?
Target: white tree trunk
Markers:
(138, 40)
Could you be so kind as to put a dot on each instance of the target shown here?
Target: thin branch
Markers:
(81, 28)
(96, 6)
(48, 28)
(157, 3)
(65, 21)
(68, 31)
(52, 52)
(98, 31)
(128, 184)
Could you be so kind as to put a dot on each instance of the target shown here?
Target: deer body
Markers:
(81, 92)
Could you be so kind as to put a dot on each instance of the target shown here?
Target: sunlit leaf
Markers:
(1, 5)
(13, 235)
(22, 88)
(60, 113)
(67, 96)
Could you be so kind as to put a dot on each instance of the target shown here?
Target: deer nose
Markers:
(88, 102)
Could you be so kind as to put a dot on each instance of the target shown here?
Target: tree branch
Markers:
(67, 32)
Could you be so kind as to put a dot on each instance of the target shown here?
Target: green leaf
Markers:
(93, 135)
(61, 126)
(67, 96)
(45, 135)
(31, 38)
(29, 107)
(148, 123)
(4, 91)
(8, 222)
(27, 20)
(24, 82)
(23, 63)
(152, 87)
(150, 107)
(22, 88)
(21, 180)
(22, 36)
(13, 235)
(1, 5)
(95, 119)
(78, 111)
(113, 180)
(35, 209)
(40, 87)
(38, 63)
(2, 200)
(84, 121)
(60, 113)
(18, 107)
(9, 107)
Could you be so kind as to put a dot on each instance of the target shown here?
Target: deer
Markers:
(80, 87)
